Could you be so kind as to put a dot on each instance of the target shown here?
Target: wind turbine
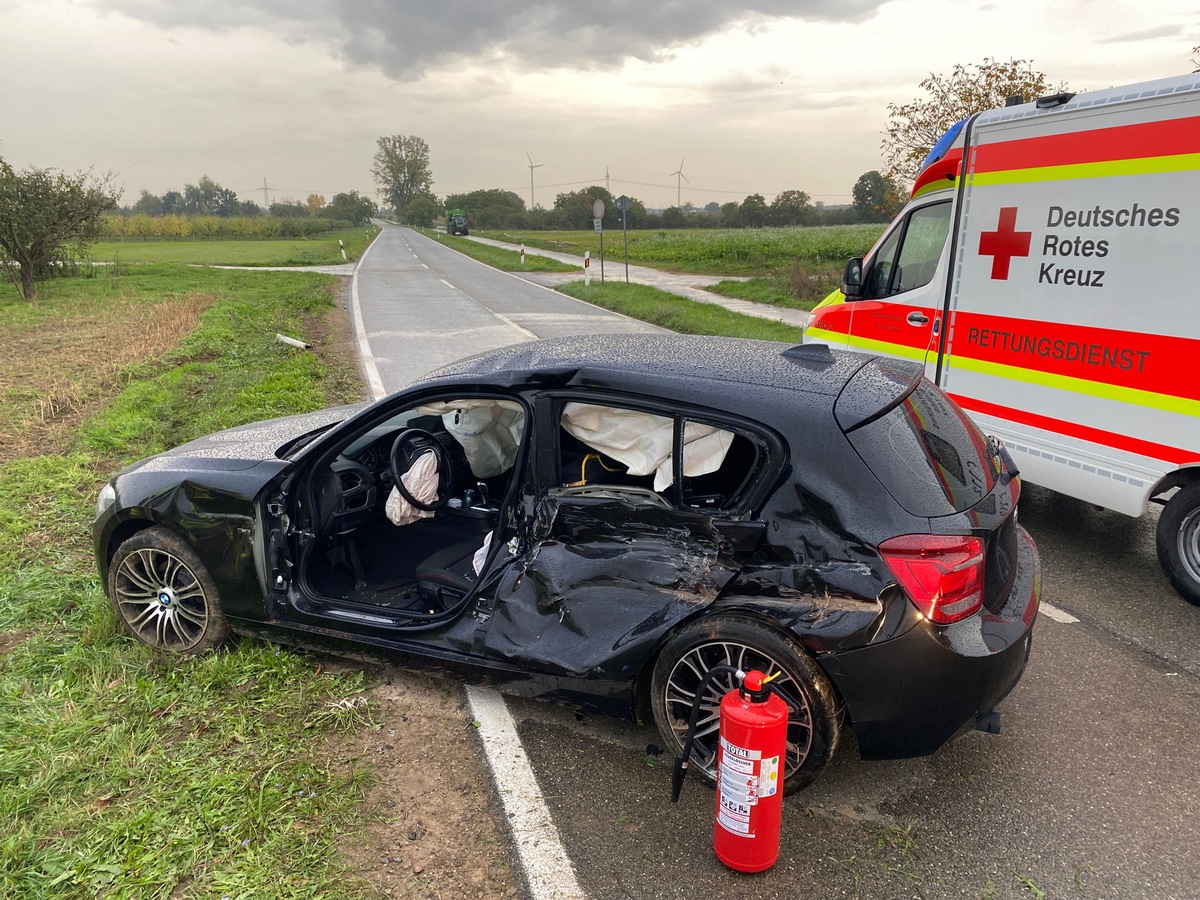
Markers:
(678, 185)
(531, 168)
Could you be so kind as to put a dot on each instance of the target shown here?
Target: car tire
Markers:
(747, 644)
(163, 595)
(1178, 541)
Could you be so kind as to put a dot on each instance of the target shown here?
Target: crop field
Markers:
(322, 250)
(729, 251)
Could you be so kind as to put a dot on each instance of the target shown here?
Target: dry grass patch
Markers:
(53, 373)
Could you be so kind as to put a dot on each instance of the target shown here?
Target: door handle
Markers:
(917, 318)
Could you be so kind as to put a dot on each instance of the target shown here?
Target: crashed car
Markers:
(603, 519)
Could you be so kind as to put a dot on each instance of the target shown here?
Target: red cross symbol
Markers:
(1004, 243)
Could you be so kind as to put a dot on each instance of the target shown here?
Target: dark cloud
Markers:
(405, 36)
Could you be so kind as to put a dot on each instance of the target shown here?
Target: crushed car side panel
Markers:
(603, 582)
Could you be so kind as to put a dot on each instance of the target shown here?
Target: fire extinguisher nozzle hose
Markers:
(681, 761)
(677, 775)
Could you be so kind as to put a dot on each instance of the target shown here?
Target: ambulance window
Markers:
(909, 256)
(924, 239)
(880, 273)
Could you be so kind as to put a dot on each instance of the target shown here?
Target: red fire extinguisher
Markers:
(751, 755)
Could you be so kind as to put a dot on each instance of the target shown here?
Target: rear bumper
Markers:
(908, 696)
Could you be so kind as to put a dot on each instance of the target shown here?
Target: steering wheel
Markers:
(409, 445)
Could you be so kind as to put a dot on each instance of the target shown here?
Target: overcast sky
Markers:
(752, 97)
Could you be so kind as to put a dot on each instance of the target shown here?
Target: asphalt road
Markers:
(424, 305)
(1089, 791)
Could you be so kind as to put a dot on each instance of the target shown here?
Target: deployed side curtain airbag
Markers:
(643, 441)
(488, 430)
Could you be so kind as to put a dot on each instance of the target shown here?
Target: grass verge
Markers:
(678, 313)
(122, 773)
(499, 257)
(801, 287)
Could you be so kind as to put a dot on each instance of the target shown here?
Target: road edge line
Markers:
(548, 871)
(365, 358)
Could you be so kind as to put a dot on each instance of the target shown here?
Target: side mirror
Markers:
(852, 278)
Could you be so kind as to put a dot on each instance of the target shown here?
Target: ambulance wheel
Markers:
(813, 731)
(1178, 541)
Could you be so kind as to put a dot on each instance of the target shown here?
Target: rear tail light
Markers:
(943, 574)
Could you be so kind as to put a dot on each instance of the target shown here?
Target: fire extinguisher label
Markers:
(733, 806)
(741, 776)
(768, 777)
(739, 752)
(730, 822)
(741, 766)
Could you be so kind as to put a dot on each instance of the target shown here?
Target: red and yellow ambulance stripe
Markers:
(1168, 145)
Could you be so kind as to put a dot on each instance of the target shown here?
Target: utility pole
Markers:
(266, 198)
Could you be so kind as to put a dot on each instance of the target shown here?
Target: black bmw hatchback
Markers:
(602, 520)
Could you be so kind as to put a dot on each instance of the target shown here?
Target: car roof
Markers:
(717, 371)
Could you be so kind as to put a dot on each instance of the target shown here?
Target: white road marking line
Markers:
(364, 348)
(548, 870)
(1058, 615)
(511, 324)
(447, 284)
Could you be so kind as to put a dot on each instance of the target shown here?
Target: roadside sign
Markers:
(598, 224)
(598, 208)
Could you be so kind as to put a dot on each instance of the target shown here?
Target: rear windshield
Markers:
(928, 454)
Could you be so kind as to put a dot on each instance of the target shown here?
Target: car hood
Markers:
(246, 445)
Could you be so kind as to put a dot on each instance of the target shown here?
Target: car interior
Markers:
(425, 561)
(405, 512)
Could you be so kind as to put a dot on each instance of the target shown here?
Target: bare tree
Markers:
(44, 215)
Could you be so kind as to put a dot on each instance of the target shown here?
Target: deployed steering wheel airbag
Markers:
(420, 482)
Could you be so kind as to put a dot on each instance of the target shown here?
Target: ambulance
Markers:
(1047, 273)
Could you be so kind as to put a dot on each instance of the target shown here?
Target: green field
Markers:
(740, 251)
(320, 251)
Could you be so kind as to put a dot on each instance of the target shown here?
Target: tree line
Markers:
(405, 179)
(207, 198)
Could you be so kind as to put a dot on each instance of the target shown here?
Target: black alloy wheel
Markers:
(163, 595)
(813, 725)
